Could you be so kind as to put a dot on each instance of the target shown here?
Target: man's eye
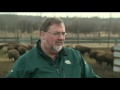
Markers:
(56, 33)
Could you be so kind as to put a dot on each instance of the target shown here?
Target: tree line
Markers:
(73, 25)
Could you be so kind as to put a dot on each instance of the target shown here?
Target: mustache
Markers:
(59, 42)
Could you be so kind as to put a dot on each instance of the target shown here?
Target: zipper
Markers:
(64, 75)
(54, 66)
(58, 71)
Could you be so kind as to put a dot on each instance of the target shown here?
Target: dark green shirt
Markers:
(36, 64)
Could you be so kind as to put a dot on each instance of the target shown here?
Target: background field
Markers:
(104, 71)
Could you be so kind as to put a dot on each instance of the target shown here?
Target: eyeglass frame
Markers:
(58, 33)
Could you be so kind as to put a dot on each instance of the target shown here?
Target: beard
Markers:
(57, 48)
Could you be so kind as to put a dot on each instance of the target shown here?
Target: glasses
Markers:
(58, 33)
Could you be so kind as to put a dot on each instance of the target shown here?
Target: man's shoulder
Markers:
(29, 53)
(73, 55)
(67, 49)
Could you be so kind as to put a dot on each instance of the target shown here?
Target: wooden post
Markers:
(31, 39)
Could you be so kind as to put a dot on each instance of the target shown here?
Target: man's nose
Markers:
(61, 35)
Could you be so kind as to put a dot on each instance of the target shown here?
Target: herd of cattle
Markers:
(15, 50)
(99, 55)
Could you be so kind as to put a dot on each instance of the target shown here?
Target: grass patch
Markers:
(5, 66)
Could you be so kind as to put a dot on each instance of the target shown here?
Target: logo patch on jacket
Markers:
(67, 62)
(11, 71)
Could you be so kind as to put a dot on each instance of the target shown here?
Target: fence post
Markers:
(116, 41)
(99, 38)
(17, 36)
(31, 39)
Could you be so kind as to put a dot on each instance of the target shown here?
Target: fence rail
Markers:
(9, 39)
(32, 40)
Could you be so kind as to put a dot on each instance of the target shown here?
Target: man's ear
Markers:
(42, 34)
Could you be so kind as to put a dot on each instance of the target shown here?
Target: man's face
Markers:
(54, 37)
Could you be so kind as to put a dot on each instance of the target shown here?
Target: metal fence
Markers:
(69, 40)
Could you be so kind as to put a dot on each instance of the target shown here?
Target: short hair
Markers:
(48, 22)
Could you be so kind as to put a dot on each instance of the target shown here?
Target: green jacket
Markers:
(36, 64)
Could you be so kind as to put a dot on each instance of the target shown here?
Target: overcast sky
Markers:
(69, 14)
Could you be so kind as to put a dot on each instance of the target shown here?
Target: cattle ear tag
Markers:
(67, 62)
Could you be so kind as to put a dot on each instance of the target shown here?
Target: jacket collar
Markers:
(61, 52)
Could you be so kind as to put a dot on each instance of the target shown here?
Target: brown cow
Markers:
(101, 56)
(83, 49)
(13, 53)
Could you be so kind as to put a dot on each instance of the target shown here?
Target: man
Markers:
(49, 59)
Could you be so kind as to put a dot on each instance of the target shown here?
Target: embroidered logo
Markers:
(67, 62)
(11, 71)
